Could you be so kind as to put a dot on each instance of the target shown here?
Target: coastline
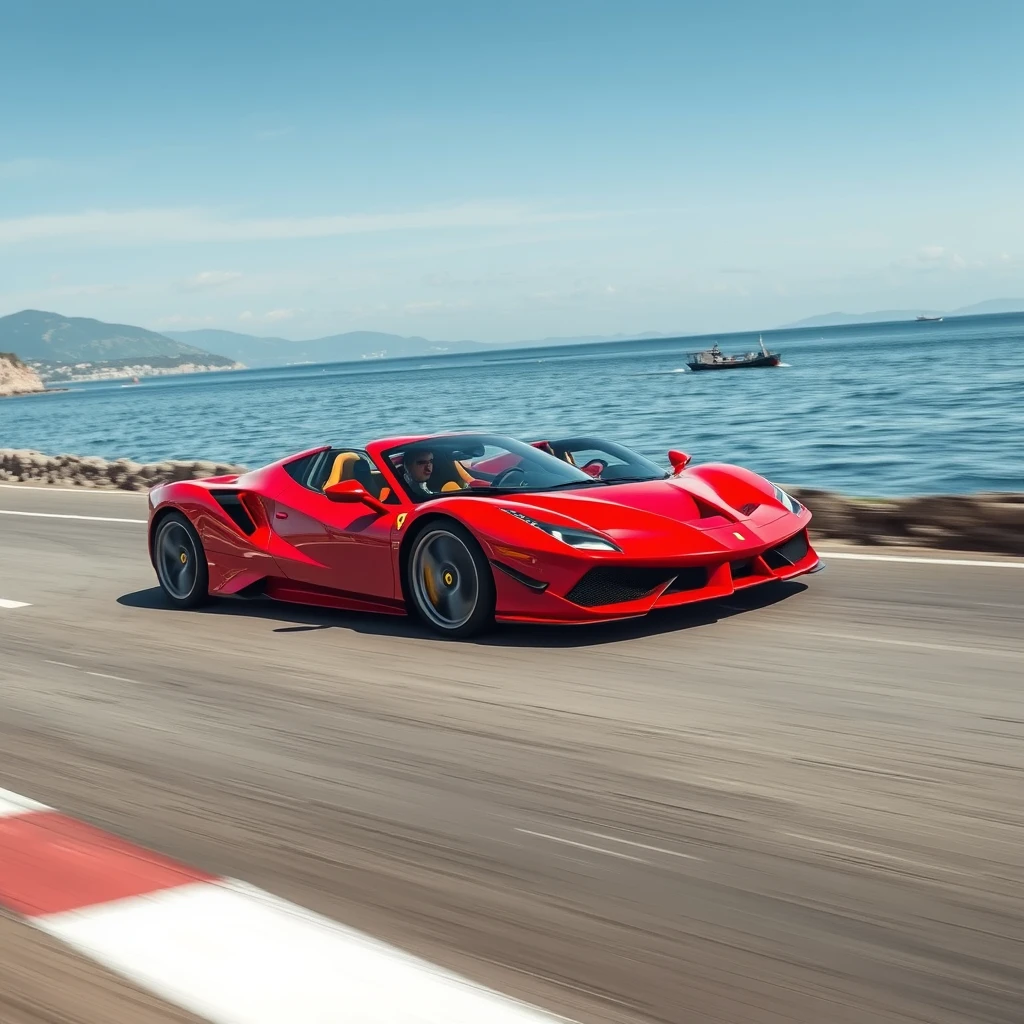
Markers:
(29, 394)
(984, 522)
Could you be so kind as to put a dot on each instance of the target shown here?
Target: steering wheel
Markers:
(497, 481)
(595, 467)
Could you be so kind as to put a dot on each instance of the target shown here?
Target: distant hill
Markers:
(989, 307)
(256, 351)
(39, 336)
(355, 345)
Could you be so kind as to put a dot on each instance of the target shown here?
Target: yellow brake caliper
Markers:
(431, 585)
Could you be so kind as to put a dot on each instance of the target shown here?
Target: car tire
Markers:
(176, 543)
(448, 582)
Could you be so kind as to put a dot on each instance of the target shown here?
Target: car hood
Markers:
(672, 511)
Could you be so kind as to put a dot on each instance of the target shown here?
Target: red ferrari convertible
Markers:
(466, 529)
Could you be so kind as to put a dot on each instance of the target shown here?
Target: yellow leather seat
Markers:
(454, 485)
(343, 469)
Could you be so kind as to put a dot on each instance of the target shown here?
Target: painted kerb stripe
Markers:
(219, 947)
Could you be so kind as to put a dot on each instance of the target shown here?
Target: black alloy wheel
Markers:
(180, 562)
(449, 581)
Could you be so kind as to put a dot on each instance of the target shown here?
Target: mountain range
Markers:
(888, 315)
(38, 336)
(255, 351)
(48, 340)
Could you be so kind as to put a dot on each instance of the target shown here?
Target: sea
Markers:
(876, 410)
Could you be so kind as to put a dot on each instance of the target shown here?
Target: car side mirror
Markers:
(352, 492)
(679, 460)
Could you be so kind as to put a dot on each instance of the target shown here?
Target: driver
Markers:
(417, 467)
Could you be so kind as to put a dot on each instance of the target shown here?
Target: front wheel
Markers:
(180, 562)
(449, 582)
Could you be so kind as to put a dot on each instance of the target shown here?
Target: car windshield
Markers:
(479, 464)
(605, 460)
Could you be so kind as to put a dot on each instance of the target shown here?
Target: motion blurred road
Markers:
(803, 806)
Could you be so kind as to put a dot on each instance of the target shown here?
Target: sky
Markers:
(507, 171)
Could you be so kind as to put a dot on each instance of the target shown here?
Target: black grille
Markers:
(740, 570)
(614, 585)
(788, 553)
(690, 578)
(750, 508)
(232, 505)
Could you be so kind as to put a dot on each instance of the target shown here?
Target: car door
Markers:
(339, 545)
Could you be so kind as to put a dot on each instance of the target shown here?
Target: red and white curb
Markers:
(220, 948)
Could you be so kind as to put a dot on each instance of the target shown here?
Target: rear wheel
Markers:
(180, 562)
(449, 582)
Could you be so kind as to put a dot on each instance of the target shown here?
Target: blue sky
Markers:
(476, 170)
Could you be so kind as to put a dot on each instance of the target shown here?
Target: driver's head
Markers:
(419, 464)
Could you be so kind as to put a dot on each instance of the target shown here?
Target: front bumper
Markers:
(614, 589)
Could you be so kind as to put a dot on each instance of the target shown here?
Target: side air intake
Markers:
(231, 502)
(788, 553)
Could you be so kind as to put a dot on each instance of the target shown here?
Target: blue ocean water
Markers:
(883, 409)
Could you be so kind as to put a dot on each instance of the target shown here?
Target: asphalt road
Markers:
(802, 807)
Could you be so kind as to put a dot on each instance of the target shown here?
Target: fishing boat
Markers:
(712, 359)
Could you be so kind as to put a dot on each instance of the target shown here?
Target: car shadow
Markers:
(303, 619)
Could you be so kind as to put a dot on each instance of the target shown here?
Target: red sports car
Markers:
(466, 529)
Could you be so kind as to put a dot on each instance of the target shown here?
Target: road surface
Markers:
(798, 807)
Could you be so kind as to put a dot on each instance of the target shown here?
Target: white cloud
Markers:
(271, 316)
(935, 255)
(163, 225)
(210, 279)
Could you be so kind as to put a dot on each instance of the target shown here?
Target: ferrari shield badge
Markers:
(400, 521)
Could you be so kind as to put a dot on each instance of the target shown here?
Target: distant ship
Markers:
(928, 318)
(712, 359)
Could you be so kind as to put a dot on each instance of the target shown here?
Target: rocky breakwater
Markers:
(24, 466)
(960, 522)
(16, 378)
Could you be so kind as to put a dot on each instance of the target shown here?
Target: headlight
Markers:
(567, 535)
(783, 498)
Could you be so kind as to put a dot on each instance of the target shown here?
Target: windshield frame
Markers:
(646, 469)
(563, 475)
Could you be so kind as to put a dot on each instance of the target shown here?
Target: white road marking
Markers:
(582, 846)
(4, 603)
(234, 954)
(66, 515)
(994, 652)
(870, 853)
(63, 664)
(117, 679)
(639, 846)
(47, 489)
(855, 556)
